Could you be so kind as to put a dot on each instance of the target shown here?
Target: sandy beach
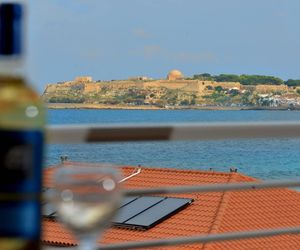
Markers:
(97, 106)
(152, 107)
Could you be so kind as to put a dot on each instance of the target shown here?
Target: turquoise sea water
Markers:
(261, 158)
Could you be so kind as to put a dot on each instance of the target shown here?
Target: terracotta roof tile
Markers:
(210, 212)
(260, 209)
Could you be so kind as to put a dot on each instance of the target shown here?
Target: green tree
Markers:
(204, 77)
(233, 92)
(291, 82)
(218, 89)
(227, 78)
(260, 79)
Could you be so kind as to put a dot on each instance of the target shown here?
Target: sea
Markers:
(261, 158)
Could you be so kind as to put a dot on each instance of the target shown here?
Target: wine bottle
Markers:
(21, 139)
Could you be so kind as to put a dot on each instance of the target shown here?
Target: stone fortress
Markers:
(175, 80)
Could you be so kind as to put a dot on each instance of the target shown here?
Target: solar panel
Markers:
(147, 211)
(136, 207)
(137, 212)
(158, 213)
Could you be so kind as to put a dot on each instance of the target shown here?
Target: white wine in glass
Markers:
(86, 199)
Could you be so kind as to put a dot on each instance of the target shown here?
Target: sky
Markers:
(117, 39)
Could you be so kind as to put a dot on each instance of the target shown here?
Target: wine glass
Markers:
(86, 198)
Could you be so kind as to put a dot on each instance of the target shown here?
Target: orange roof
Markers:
(216, 212)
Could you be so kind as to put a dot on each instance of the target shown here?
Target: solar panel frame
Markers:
(159, 212)
(156, 214)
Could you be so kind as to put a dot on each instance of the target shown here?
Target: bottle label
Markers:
(21, 154)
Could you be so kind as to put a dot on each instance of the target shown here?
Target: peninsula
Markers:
(202, 91)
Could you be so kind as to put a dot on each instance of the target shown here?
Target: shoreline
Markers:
(151, 107)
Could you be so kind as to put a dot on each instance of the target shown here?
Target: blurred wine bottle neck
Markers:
(11, 40)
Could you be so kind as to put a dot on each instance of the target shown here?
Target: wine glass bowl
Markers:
(86, 199)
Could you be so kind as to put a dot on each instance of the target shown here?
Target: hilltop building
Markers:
(175, 75)
(83, 79)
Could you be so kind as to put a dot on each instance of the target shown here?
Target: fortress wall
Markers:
(193, 87)
(91, 87)
(153, 84)
(227, 85)
(172, 85)
(123, 84)
(187, 85)
(270, 88)
(203, 84)
(165, 84)
(248, 87)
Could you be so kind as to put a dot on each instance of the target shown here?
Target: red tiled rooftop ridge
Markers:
(213, 212)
